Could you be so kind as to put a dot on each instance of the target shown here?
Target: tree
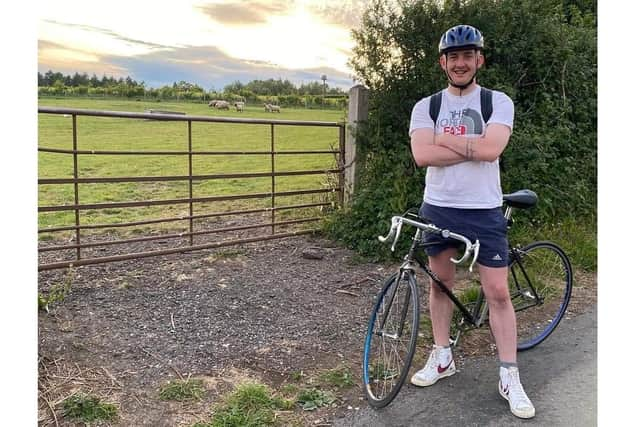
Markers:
(542, 53)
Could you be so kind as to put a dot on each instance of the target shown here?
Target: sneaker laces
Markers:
(432, 361)
(516, 391)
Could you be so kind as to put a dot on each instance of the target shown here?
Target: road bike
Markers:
(540, 283)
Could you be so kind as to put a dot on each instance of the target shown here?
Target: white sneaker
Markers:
(511, 389)
(439, 365)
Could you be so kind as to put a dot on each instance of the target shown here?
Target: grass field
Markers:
(118, 134)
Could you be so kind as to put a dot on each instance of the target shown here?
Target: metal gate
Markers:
(84, 248)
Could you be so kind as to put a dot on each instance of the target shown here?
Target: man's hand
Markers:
(426, 151)
(488, 148)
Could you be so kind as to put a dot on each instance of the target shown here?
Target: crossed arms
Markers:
(447, 149)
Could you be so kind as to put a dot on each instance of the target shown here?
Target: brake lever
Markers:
(476, 251)
(445, 234)
(398, 230)
(388, 236)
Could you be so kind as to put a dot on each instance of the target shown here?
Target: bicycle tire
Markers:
(540, 285)
(387, 359)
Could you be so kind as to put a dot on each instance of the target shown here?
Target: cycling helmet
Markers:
(460, 37)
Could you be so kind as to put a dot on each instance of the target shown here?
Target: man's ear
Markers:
(480, 59)
(443, 62)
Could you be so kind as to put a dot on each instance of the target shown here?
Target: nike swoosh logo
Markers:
(441, 369)
(505, 390)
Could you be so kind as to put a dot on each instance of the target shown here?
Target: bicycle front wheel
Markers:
(391, 338)
(540, 282)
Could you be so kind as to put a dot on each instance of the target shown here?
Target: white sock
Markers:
(444, 353)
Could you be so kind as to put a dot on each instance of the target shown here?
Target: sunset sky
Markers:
(211, 43)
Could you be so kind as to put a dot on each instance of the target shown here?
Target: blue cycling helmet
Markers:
(460, 37)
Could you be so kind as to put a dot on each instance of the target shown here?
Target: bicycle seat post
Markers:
(507, 212)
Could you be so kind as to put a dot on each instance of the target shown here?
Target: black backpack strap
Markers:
(486, 104)
(434, 107)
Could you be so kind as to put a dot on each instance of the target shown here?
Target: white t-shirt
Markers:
(471, 184)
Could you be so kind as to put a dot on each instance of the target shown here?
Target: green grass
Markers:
(340, 377)
(313, 398)
(181, 390)
(248, 405)
(57, 293)
(88, 408)
(115, 134)
(576, 236)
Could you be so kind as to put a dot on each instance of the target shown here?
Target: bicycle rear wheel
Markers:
(540, 282)
(391, 336)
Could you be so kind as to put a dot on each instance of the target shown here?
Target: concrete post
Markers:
(358, 111)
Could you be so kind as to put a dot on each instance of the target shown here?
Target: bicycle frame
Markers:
(514, 254)
(476, 317)
(409, 264)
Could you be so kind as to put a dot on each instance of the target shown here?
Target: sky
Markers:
(210, 43)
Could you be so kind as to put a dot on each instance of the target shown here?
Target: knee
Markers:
(447, 281)
(497, 296)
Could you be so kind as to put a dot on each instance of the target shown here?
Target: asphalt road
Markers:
(559, 376)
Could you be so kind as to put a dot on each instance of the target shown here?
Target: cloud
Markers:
(248, 13)
(108, 33)
(346, 14)
(209, 68)
(259, 57)
(68, 60)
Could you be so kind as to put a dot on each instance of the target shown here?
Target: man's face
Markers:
(461, 65)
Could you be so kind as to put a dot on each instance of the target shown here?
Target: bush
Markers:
(542, 53)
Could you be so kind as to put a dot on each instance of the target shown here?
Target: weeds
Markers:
(340, 377)
(88, 408)
(289, 389)
(297, 376)
(224, 254)
(312, 398)
(57, 293)
(182, 390)
(248, 405)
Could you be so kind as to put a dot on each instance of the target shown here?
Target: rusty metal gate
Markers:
(82, 249)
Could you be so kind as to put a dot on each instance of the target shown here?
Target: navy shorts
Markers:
(489, 226)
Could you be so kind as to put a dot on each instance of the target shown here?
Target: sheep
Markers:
(214, 102)
(271, 108)
(222, 105)
(239, 105)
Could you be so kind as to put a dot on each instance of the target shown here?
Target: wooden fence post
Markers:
(358, 110)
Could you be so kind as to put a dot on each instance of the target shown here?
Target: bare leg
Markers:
(440, 306)
(502, 318)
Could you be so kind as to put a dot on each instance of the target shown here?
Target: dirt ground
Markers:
(260, 312)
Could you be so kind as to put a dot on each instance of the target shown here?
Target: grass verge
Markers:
(181, 390)
(249, 405)
(576, 236)
(340, 377)
(88, 408)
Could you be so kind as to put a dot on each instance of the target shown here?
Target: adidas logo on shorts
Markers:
(497, 258)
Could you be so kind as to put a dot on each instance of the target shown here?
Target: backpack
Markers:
(486, 107)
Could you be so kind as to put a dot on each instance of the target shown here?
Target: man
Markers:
(463, 194)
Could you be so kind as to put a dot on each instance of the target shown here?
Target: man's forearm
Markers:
(436, 155)
(472, 149)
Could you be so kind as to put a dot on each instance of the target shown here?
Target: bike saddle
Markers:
(523, 199)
